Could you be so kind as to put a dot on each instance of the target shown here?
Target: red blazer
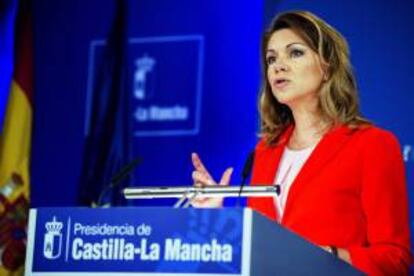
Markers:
(351, 193)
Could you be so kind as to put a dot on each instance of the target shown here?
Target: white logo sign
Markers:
(145, 64)
(52, 246)
(167, 106)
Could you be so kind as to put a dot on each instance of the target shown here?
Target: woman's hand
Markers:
(201, 178)
(343, 254)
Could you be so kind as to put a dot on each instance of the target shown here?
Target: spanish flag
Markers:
(15, 143)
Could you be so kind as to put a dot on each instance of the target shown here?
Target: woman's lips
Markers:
(280, 83)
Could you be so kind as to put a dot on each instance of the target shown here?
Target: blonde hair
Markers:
(338, 97)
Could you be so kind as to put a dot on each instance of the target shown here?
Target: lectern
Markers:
(168, 241)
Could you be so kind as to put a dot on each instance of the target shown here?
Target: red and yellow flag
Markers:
(15, 141)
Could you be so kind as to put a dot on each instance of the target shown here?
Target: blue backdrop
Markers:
(206, 60)
(204, 79)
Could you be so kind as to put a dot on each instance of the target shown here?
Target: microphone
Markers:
(247, 169)
(117, 179)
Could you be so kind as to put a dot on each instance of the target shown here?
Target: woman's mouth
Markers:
(280, 83)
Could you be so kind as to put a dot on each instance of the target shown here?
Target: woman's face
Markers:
(294, 70)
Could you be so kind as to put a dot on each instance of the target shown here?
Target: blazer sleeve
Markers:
(385, 205)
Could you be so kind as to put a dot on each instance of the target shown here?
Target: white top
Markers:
(289, 167)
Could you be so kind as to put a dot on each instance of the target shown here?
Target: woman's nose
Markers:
(280, 65)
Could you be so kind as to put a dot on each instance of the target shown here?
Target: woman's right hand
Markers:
(201, 178)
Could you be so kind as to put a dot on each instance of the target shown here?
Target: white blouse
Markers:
(289, 167)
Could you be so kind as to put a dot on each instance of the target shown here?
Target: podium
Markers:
(167, 241)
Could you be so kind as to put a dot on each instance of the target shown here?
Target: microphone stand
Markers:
(117, 179)
(247, 169)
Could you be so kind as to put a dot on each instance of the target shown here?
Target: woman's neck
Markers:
(308, 130)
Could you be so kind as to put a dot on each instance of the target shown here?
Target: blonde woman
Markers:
(342, 179)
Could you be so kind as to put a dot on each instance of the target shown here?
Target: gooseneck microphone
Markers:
(247, 169)
(117, 178)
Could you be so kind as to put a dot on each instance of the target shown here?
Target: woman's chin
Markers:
(283, 98)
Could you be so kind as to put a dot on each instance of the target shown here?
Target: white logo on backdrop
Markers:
(180, 116)
(145, 65)
(52, 246)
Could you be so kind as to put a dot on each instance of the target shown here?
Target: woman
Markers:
(342, 179)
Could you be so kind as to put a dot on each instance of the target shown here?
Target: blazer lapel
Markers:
(270, 157)
(267, 158)
(327, 148)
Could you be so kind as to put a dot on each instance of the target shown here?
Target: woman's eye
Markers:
(270, 60)
(296, 53)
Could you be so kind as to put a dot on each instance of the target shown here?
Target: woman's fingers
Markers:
(200, 202)
(198, 165)
(200, 179)
(225, 179)
(207, 202)
(326, 248)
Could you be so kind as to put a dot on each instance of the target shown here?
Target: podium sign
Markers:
(139, 240)
(166, 241)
